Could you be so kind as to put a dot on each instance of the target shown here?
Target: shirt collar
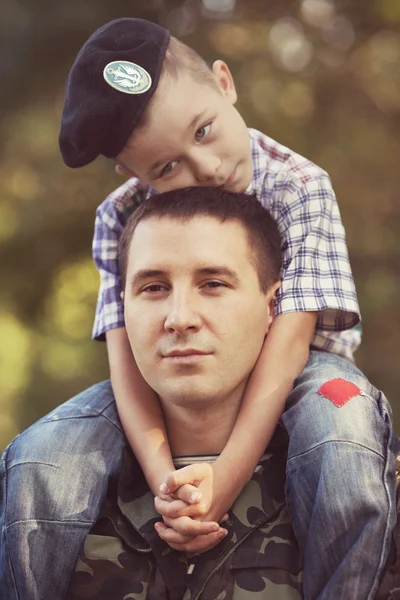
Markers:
(259, 162)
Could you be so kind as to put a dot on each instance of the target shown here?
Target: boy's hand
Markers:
(191, 544)
(188, 524)
(187, 492)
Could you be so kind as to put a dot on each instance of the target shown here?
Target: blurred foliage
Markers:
(321, 76)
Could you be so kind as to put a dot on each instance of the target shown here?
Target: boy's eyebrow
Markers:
(199, 117)
(159, 163)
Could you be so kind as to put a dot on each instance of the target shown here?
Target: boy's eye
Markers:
(202, 132)
(168, 168)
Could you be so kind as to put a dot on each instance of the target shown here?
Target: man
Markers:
(201, 269)
(199, 295)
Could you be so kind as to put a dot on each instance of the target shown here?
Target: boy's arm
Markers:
(137, 405)
(139, 411)
(282, 359)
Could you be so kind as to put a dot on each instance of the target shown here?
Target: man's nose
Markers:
(182, 314)
(205, 164)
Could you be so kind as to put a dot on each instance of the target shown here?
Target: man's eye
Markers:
(202, 132)
(214, 284)
(154, 288)
(168, 168)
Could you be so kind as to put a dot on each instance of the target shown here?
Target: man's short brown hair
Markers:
(185, 203)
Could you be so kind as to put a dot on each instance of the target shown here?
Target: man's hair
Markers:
(185, 203)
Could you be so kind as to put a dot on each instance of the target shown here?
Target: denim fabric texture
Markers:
(340, 480)
(340, 487)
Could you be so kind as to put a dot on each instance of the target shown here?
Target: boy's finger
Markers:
(196, 545)
(186, 475)
(171, 536)
(224, 518)
(169, 509)
(177, 508)
(203, 543)
(188, 493)
(189, 527)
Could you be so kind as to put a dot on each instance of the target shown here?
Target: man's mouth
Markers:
(185, 355)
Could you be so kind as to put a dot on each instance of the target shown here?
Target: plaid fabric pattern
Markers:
(316, 273)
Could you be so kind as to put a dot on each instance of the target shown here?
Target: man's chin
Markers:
(186, 396)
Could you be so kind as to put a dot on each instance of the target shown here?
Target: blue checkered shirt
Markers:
(316, 273)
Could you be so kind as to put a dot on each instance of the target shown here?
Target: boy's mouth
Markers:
(230, 179)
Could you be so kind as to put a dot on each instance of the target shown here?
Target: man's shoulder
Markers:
(89, 413)
(274, 159)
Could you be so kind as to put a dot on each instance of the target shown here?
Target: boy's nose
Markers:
(206, 166)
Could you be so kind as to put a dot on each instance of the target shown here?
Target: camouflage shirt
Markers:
(124, 558)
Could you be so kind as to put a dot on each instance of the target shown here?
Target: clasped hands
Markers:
(190, 510)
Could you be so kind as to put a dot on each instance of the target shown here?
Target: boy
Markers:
(145, 100)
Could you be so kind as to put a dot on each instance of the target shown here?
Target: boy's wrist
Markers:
(227, 487)
(229, 476)
(156, 477)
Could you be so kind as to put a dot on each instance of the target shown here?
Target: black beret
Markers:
(109, 86)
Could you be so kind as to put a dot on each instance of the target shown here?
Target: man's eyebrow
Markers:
(211, 271)
(219, 271)
(159, 163)
(144, 274)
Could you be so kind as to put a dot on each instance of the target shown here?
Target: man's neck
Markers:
(194, 431)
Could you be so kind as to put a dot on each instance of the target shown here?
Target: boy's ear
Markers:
(124, 171)
(224, 80)
(122, 296)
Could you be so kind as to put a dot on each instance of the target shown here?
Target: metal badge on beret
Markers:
(127, 77)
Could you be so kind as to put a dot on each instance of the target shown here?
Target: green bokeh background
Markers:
(321, 76)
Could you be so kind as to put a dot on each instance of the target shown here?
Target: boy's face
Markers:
(193, 135)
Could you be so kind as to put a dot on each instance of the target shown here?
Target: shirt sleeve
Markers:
(316, 272)
(111, 217)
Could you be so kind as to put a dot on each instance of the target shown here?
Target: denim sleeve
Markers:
(7, 584)
(55, 477)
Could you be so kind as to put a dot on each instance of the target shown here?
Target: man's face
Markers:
(195, 315)
(194, 136)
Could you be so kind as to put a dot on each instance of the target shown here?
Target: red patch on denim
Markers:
(339, 391)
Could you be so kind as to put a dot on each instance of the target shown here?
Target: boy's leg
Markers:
(340, 478)
(54, 478)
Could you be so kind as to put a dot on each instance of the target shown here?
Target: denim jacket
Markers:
(33, 502)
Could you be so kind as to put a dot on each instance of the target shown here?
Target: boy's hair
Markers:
(183, 204)
(179, 59)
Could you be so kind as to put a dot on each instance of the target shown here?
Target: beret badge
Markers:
(127, 77)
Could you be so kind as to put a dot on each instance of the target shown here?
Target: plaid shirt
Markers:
(316, 273)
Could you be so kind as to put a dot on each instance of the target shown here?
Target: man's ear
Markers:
(224, 80)
(122, 295)
(270, 299)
